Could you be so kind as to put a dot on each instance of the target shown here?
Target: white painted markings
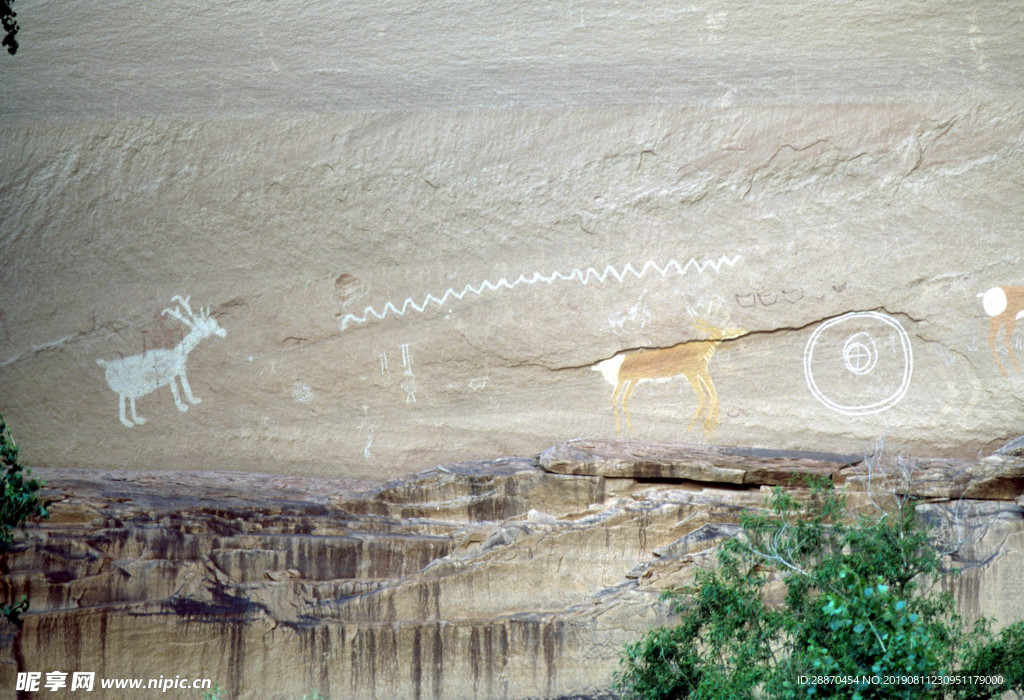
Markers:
(582, 276)
(848, 372)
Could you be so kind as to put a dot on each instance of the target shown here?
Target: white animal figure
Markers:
(1004, 305)
(138, 375)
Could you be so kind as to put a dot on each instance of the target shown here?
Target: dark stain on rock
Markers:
(236, 656)
(552, 640)
(437, 649)
(474, 658)
(416, 668)
(224, 606)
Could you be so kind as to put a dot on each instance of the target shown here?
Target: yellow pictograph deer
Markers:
(138, 375)
(626, 370)
(1004, 305)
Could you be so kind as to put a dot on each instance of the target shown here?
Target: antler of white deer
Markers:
(177, 314)
(184, 304)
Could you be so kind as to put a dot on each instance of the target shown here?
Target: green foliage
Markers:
(860, 602)
(20, 494)
(10, 25)
(20, 502)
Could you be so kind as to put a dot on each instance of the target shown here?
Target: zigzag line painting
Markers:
(583, 276)
(133, 377)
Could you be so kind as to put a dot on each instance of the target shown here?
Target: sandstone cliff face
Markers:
(250, 252)
(513, 578)
(407, 225)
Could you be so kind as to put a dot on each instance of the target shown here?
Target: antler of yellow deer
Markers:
(716, 333)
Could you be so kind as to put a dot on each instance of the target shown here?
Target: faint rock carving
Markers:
(944, 354)
(771, 298)
(135, 376)
(302, 392)
(582, 276)
(409, 383)
(860, 354)
(347, 291)
(626, 370)
(369, 427)
(705, 306)
(635, 317)
(1004, 305)
(716, 23)
(3, 325)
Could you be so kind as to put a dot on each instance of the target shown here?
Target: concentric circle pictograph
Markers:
(860, 353)
(859, 363)
(302, 392)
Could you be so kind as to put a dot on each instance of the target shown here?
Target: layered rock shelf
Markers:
(509, 578)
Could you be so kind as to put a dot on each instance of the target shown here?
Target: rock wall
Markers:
(389, 243)
(397, 289)
(513, 578)
(329, 241)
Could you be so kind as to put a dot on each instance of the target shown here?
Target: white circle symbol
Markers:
(860, 355)
(302, 392)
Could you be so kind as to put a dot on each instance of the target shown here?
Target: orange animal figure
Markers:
(626, 370)
(1004, 305)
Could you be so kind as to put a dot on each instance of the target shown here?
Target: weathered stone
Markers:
(701, 463)
(491, 579)
(1014, 448)
(813, 229)
(416, 233)
(997, 477)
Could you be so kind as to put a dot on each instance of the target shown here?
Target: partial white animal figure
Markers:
(138, 375)
(1004, 305)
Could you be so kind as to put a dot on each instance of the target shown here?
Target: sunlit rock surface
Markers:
(252, 253)
(420, 229)
(512, 578)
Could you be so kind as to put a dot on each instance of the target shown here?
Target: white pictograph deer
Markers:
(690, 359)
(1004, 305)
(138, 375)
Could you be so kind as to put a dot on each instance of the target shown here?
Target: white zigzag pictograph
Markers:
(582, 276)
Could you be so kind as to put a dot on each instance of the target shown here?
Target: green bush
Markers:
(20, 502)
(860, 602)
(10, 26)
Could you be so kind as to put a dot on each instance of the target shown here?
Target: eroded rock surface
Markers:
(512, 578)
